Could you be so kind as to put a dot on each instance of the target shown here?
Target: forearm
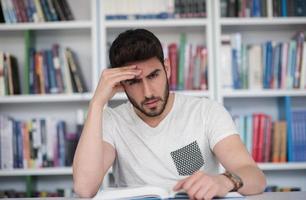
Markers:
(254, 181)
(88, 159)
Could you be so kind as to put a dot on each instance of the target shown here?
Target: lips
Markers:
(152, 103)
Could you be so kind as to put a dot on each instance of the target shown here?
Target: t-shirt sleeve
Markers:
(220, 124)
(108, 127)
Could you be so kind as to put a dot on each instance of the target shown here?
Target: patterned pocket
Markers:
(188, 159)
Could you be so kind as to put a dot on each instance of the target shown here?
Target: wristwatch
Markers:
(236, 180)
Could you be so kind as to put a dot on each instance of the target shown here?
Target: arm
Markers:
(234, 157)
(93, 156)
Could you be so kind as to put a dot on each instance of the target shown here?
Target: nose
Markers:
(147, 90)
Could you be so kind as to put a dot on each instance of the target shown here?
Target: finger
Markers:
(207, 195)
(179, 184)
(198, 185)
(206, 186)
(127, 67)
(191, 180)
(108, 71)
(114, 75)
(117, 79)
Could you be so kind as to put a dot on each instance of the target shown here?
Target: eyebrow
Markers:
(138, 79)
(154, 72)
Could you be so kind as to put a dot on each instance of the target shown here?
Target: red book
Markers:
(255, 136)
(172, 49)
(268, 138)
(261, 131)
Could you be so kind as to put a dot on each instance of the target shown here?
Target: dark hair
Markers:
(135, 45)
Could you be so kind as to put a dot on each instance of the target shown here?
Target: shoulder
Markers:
(192, 102)
(118, 111)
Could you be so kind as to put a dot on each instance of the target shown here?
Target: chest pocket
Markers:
(188, 159)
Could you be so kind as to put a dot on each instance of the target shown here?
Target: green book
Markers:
(181, 67)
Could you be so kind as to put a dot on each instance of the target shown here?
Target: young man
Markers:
(158, 138)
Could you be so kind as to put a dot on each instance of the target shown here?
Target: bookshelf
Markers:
(90, 34)
(256, 30)
(81, 36)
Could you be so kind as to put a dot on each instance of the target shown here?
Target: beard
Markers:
(155, 111)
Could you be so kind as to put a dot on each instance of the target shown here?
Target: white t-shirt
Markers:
(181, 144)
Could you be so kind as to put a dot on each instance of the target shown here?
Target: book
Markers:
(147, 191)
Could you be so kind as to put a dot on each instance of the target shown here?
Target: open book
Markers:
(143, 192)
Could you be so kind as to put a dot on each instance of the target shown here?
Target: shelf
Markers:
(41, 98)
(47, 25)
(195, 93)
(262, 93)
(37, 172)
(156, 23)
(282, 166)
(262, 21)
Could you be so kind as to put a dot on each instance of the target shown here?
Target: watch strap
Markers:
(235, 179)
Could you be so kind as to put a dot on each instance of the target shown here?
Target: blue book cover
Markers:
(32, 79)
(19, 144)
(61, 135)
(269, 66)
(51, 73)
(284, 8)
(249, 133)
(303, 130)
(256, 11)
(265, 64)
(46, 71)
(284, 108)
(15, 145)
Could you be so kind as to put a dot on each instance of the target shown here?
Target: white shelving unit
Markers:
(82, 37)
(89, 34)
(255, 31)
(47, 26)
(54, 171)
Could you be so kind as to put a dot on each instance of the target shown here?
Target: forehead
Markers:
(147, 66)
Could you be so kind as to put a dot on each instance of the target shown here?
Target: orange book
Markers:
(276, 142)
(283, 144)
(26, 145)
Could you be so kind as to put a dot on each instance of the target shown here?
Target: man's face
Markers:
(149, 91)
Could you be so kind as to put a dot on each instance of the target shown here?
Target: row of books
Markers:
(9, 75)
(265, 140)
(189, 68)
(41, 194)
(18, 11)
(271, 65)
(262, 8)
(54, 71)
(36, 143)
(269, 141)
(154, 9)
(275, 188)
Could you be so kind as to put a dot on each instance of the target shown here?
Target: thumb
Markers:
(179, 185)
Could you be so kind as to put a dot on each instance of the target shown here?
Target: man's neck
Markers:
(154, 121)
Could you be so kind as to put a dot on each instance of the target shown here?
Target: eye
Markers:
(132, 82)
(152, 76)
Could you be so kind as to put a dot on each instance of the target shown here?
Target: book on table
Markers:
(144, 192)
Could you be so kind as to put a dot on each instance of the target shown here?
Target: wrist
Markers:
(228, 184)
(235, 179)
(95, 105)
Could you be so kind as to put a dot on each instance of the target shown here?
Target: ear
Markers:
(167, 67)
